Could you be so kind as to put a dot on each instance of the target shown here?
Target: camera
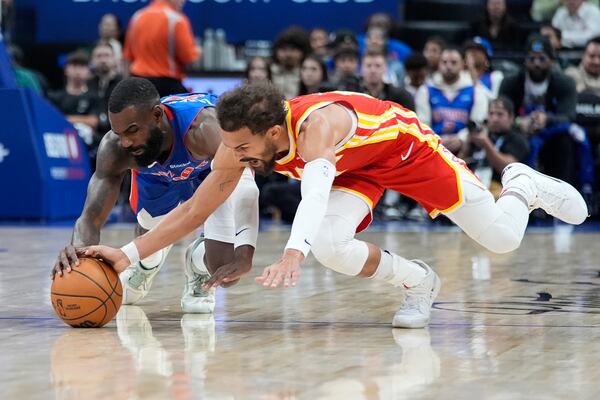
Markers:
(474, 127)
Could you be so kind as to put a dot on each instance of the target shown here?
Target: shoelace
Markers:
(417, 298)
(556, 199)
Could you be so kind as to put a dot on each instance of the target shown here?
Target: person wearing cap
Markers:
(451, 100)
(544, 97)
(289, 49)
(478, 53)
(579, 21)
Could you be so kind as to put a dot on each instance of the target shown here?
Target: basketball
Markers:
(87, 297)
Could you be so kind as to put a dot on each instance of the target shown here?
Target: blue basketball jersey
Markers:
(160, 187)
(458, 110)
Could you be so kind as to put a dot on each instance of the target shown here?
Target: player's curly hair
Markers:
(258, 106)
(138, 92)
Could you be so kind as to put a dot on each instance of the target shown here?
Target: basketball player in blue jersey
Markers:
(168, 145)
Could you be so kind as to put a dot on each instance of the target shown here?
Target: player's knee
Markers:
(330, 243)
(502, 241)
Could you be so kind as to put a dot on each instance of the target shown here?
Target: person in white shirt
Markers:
(578, 21)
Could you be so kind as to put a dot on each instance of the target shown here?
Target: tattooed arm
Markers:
(186, 217)
(103, 190)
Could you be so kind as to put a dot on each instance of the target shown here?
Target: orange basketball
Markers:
(89, 296)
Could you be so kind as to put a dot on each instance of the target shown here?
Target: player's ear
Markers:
(275, 132)
(157, 112)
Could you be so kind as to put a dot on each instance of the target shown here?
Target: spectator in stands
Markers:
(313, 75)
(105, 77)
(578, 21)
(554, 35)
(432, 52)
(377, 40)
(587, 74)
(478, 53)
(159, 44)
(258, 69)
(319, 39)
(289, 49)
(416, 72)
(497, 26)
(545, 99)
(109, 30)
(25, 77)
(395, 49)
(451, 100)
(373, 72)
(544, 10)
(76, 101)
(346, 64)
(496, 144)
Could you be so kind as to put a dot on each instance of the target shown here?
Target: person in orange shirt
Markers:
(159, 44)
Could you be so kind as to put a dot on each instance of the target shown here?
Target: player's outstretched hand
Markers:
(114, 257)
(228, 273)
(67, 259)
(286, 271)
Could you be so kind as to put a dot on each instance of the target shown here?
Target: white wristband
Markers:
(131, 251)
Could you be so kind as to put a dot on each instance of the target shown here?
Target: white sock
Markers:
(155, 260)
(398, 271)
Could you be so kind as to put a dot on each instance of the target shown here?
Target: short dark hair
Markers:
(374, 53)
(415, 61)
(437, 40)
(552, 27)
(104, 43)
(452, 47)
(138, 92)
(257, 106)
(505, 103)
(594, 40)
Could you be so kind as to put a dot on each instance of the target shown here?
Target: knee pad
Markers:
(336, 248)
(500, 239)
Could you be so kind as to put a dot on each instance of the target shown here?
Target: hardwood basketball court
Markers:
(518, 326)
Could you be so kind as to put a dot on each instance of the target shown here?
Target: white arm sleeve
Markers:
(245, 210)
(317, 179)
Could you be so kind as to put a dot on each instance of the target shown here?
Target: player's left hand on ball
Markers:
(114, 257)
(284, 272)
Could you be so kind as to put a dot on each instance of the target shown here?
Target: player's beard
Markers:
(267, 160)
(152, 148)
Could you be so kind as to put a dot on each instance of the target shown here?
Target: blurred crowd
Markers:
(541, 107)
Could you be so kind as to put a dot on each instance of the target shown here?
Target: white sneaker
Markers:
(136, 282)
(195, 299)
(416, 310)
(552, 195)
